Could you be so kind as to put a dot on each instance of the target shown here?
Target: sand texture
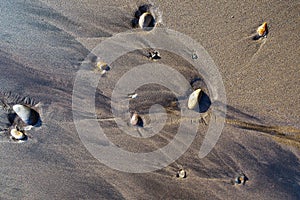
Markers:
(43, 45)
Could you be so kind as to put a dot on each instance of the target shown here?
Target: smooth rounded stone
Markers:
(193, 99)
(134, 119)
(28, 115)
(262, 30)
(18, 135)
(181, 173)
(146, 21)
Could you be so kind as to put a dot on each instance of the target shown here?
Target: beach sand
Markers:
(43, 44)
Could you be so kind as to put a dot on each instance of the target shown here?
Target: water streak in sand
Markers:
(285, 134)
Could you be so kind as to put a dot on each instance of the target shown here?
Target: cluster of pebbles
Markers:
(145, 20)
(193, 104)
(22, 118)
(29, 118)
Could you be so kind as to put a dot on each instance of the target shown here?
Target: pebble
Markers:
(181, 173)
(28, 115)
(193, 99)
(134, 119)
(146, 21)
(18, 135)
(241, 179)
(133, 96)
(262, 30)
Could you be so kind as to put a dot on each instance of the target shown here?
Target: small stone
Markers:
(134, 119)
(193, 99)
(262, 30)
(146, 21)
(103, 72)
(181, 173)
(194, 56)
(241, 179)
(28, 115)
(17, 135)
(133, 96)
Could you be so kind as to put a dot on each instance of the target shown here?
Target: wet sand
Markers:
(42, 46)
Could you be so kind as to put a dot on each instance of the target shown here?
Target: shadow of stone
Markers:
(140, 122)
(11, 117)
(234, 113)
(204, 102)
(35, 119)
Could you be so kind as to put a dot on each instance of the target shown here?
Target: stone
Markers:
(28, 115)
(262, 30)
(193, 99)
(17, 135)
(146, 21)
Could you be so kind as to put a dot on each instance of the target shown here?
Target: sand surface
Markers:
(42, 46)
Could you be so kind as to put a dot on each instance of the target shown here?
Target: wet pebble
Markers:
(181, 173)
(193, 99)
(17, 135)
(28, 115)
(133, 96)
(147, 21)
(136, 120)
(262, 30)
